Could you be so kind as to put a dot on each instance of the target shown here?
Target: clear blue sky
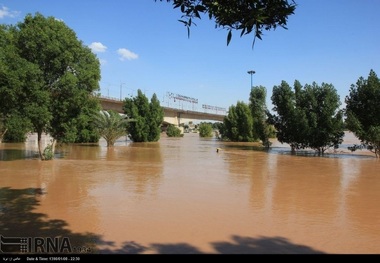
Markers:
(142, 45)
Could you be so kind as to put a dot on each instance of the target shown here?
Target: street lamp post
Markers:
(251, 72)
(121, 86)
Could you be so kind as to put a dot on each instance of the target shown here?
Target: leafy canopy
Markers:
(308, 117)
(363, 111)
(246, 16)
(238, 124)
(205, 130)
(48, 76)
(173, 131)
(257, 104)
(147, 116)
(111, 126)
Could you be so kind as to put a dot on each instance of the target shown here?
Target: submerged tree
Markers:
(205, 130)
(238, 124)
(290, 122)
(173, 131)
(246, 16)
(257, 104)
(308, 117)
(148, 117)
(48, 76)
(155, 119)
(22, 99)
(111, 126)
(320, 105)
(363, 111)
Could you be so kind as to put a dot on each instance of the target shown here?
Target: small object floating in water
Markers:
(218, 149)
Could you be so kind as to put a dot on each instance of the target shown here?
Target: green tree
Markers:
(205, 130)
(325, 120)
(173, 131)
(309, 117)
(148, 117)
(17, 128)
(111, 126)
(238, 124)
(155, 119)
(247, 16)
(50, 77)
(20, 88)
(216, 125)
(86, 132)
(258, 107)
(289, 122)
(363, 111)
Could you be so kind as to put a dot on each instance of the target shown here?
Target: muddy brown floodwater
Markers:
(181, 196)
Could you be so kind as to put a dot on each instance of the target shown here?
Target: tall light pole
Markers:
(251, 72)
(121, 86)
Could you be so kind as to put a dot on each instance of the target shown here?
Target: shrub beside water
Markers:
(205, 130)
(173, 131)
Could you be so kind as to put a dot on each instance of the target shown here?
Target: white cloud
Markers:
(126, 54)
(97, 47)
(5, 12)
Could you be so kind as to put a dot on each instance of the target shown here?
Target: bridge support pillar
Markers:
(179, 118)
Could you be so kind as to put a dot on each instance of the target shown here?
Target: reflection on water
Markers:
(179, 195)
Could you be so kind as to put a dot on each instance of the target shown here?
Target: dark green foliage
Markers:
(86, 132)
(21, 98)
(148, 117)
(205, 130)
(216, 125)
(248, 123)
(155, 119)
(238, 124)
(173, 131)
(247, 16)
(87, 135)
(309, 117)
(17, 129)
(289, 123)
(363, 111)
(325, 120)
(49, 77)
(258, 108)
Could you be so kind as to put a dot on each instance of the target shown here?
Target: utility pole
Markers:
(121, 86)
(251, 72)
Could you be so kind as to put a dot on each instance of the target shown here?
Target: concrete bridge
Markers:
(171, 115)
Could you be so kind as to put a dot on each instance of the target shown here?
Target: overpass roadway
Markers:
(171, 115)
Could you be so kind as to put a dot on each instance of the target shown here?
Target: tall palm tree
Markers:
(111, 126)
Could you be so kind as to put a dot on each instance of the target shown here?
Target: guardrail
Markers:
(208, 110)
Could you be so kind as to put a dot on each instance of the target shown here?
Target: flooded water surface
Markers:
(180, 195)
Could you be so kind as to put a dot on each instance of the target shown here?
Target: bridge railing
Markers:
(215, 110)
(110, 98)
